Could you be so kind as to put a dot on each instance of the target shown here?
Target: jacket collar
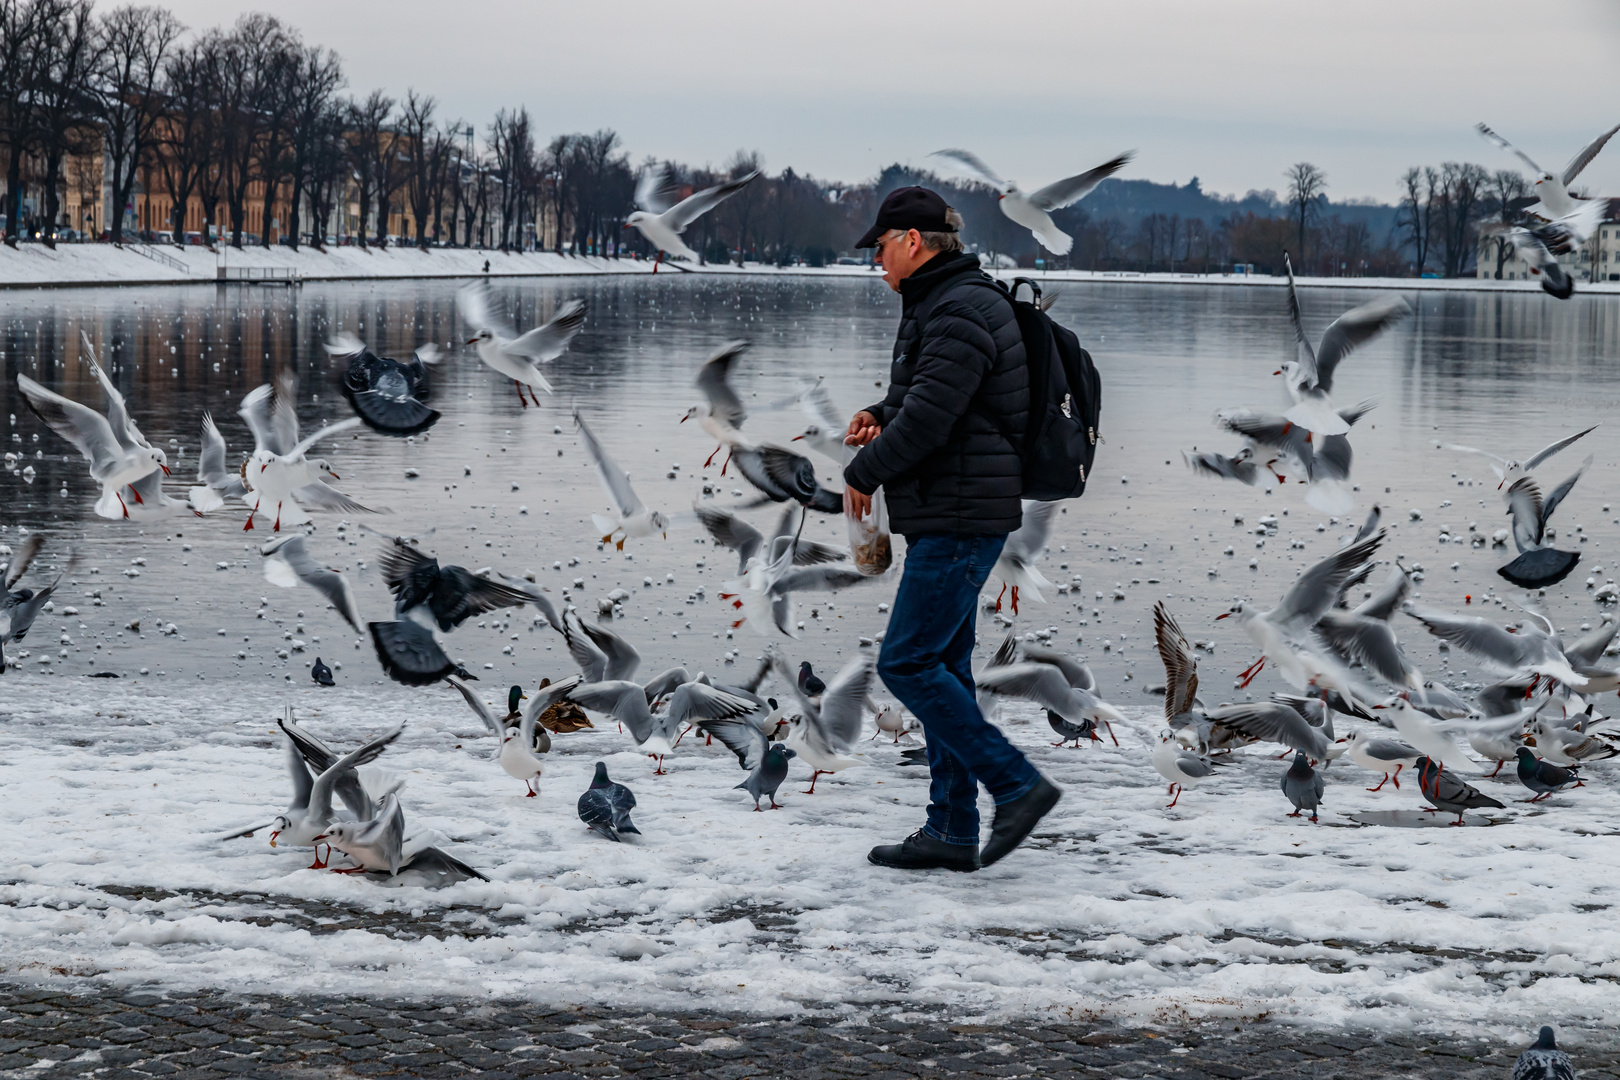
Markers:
(931, 274)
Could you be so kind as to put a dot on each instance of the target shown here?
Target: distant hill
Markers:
(1132, 200)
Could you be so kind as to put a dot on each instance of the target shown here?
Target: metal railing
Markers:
(148, 252)
(258, 275)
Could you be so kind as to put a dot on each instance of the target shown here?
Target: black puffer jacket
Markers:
(957, 387)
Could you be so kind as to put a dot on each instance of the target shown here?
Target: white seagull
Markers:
(119, 456)
(1015, 566)
(722, 413)
(216, 482)
(1033, 211)
(1508, 470)
(1553, 190)
(287, 563)
(279, 473)
(1310, 381)
(518, 358)
(826, 731)
(631, 516)
(663, 224)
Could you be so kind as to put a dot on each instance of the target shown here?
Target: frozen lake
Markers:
(1219, 907)
(1501, 371)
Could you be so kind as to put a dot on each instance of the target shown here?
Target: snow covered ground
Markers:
(34, 265)
(116, 790)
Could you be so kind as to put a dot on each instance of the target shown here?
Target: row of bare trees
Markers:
(1442, 210)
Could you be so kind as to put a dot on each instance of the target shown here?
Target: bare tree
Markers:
(135, 45)
(1506, 185)
(416, 137)
(1307, 186)
(187, 135)
(1414, 217)
(70, 51)
(369, 140)
(19, 34)
(740, 207)
(249, 74)
(316, 77)
(1457, 200)
(511, 143)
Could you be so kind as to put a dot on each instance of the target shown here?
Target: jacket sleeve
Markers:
(956, 352)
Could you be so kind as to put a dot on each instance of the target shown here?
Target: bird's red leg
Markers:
(710, 458)
(657, 261)
(660, 770)
(277, 526)
(519, 386)
(774, 804)
(1015, 599)
(1294, 814)
(1177, 799)
(1250, 677)
(813, 775)
(1000, 594)
(1381, 783)
(1498, 768)
(126, 508)
(138, 500)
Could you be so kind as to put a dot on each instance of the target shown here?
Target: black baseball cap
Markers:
(909, 208)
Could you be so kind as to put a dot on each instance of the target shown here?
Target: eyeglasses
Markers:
(892, 234)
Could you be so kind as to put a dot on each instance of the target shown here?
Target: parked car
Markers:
(163, 236)
(194, 239)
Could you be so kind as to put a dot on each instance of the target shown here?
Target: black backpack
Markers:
(1065, 396)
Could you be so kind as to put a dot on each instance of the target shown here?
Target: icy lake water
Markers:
(114, 789)
(1508, 372)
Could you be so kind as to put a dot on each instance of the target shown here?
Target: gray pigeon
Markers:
(766, 762)
(321, 673)
(1543, 777)
(606, 806)
(1446, 792)
(1303, 785)
(1544, 1061)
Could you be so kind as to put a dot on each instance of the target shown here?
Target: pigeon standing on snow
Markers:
(1544, 1061)
(606, 806)
(1448, 793)
(321, 673)
(1543, 777)
(1303, 785)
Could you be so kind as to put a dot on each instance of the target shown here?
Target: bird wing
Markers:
(1272, 721)
(1030, 538)
(323, 496)
(973, 165)
(844, 699)
(591, 660)
(730, 531)
(1369, 641)
(1223, 467)
(1389, 598)
(695, 205)
(1317, 589)
(124, 430)
(1478, 636)
(1552, 448)
(666, 682)
(1180, 663)
(1354, 328)
(1498, 463)
(1297, 320)
(268, 414)
(622, 657)
(653, 188)
(324, 580)
(479, 310)
(211, 469)
(794, 473)
(303, 783)
(400, 561)
(1588, 649)
(695, 701)
(88, 430)
(302, 448)
(1070, 190)
(613, 478)
(1268, 429)
(1075, 673)
(25, 554)
(532, 595)
(1510, 148)
(385, 834)
(1524, 503)
(1561, 492)
(547, 341)
(320, 796)
(824, 578)
(408, 652)
(817, 404)
(742, 738)
(540, 701)
(1587, 153)
(724, 404)
(622, 700)
(345, 344)
(1040, 683)
(485, 713)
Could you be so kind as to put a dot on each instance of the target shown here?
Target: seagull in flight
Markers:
(1553, 189)
(1311, 381)
(722, 413)
(662, 224)
(280, 472)
(1508, 470)
(518, 358)
(1033, 211)
(631, 517)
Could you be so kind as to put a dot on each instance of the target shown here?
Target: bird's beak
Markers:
(472, 341)
(796, 438)
(1223, 615)
(273, 837)
(685, 418)
(166, 471)
(318, 839)
(335, 476)
(1277, 372)
(626, 225)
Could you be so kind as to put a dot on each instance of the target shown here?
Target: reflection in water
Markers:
(509, 487)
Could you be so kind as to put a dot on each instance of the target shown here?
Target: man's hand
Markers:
(863, 428)
(857, 505)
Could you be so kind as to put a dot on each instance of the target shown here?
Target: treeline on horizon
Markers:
(221, 117)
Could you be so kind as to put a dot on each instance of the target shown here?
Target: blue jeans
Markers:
(926, 662)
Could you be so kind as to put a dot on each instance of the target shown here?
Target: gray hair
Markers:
(945, 241)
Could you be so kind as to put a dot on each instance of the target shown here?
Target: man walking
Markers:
(943, 446)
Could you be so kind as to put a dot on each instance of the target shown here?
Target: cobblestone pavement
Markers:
(49, 1033)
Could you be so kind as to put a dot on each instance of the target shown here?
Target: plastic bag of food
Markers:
(869, 541)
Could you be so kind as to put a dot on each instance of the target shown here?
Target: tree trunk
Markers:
(13, 193)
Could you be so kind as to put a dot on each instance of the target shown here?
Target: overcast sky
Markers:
(1230, 91)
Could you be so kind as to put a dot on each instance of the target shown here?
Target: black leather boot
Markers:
(1016, 819)
(919, 851)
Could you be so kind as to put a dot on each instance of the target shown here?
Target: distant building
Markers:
(1598, 260)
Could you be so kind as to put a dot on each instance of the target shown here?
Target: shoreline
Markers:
(92, 265)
